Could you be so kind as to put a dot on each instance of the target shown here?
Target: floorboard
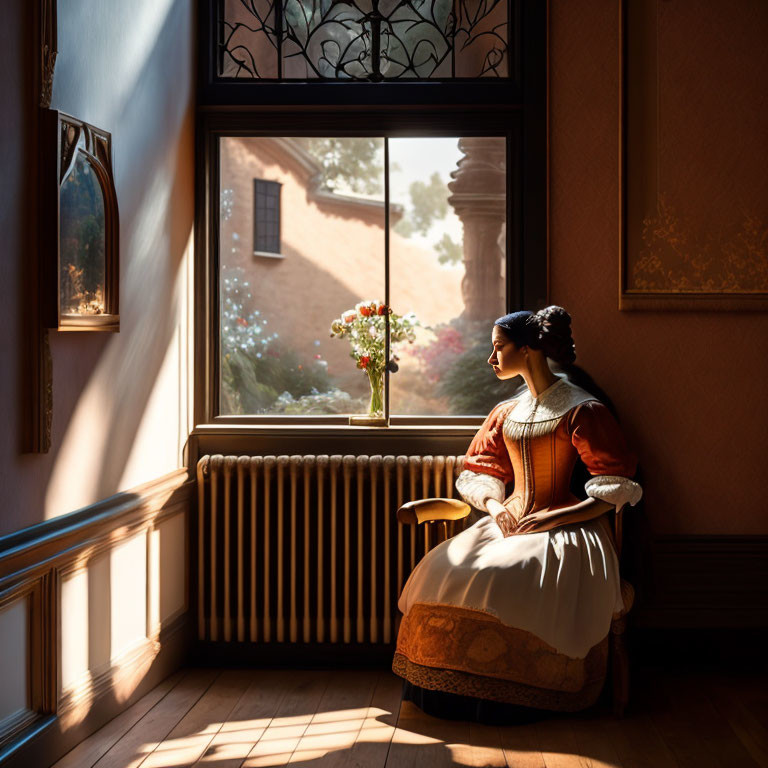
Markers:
(142, 738)
(339, 718)
(375, 737)
(292, 717)
(357, 719)
(250, 717)
(188, 741)
(92, 749)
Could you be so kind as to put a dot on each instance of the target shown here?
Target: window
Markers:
(266, 217)
(423, 189)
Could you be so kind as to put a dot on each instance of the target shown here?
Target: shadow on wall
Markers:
(103, 386)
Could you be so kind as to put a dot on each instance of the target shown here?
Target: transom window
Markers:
(367, 40)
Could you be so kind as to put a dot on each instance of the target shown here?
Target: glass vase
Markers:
(376, 380)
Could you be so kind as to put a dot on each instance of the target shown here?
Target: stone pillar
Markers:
(478, 195)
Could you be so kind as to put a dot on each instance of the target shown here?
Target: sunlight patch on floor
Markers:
(264, 742)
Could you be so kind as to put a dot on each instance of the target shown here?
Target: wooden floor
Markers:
(243, 719)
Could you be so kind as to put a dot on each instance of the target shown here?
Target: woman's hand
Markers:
(495, 508)
(501, 515)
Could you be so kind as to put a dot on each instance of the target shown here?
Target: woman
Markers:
(515, 610)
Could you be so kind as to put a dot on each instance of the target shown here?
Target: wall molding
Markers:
(33, 562)
(54, 736)
(129, 665)
(46, 544)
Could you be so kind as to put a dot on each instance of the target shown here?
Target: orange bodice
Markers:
(542, 467)
(537, 455)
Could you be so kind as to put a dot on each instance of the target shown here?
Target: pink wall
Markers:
(120, 400)
(690, 386)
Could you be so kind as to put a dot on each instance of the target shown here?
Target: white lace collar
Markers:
(553, 403)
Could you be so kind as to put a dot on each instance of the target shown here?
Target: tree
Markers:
(348, 164)
(450, 251)
(429, 202)
(357, 165)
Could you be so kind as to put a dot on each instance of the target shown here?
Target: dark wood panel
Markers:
(31, 561)
(706, 582)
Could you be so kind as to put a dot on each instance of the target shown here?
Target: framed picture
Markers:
(80, 280)
(693, 154)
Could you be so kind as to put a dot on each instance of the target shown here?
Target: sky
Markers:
(418, 159)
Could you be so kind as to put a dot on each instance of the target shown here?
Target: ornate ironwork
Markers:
(363, 40)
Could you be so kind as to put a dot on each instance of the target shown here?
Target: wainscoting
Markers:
(93, 614)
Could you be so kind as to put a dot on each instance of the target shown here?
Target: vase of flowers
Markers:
(365, 328)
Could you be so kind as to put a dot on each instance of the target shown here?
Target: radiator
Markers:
(307, 549)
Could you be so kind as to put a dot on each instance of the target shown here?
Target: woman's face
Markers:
(507, 359)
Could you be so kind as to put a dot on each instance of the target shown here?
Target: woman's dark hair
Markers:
(549, 330)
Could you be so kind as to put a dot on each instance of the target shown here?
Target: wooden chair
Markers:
(440, 511)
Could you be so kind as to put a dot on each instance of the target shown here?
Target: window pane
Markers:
(83, 241)
(277, 356)
(447, 265)
(266, 216)
(352, 40)
(247, 40)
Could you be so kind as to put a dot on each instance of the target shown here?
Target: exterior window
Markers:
(266, 216)
(444, 239)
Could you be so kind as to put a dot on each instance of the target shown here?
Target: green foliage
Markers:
(254, 384)
(405, 227)
(450, 252)
(470, 384)
(333, 401)
(429, 203)
(256, 368)
(355, 163)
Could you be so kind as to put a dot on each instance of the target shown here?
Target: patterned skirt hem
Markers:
(494, 689)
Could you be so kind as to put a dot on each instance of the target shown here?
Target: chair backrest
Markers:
(617, 531)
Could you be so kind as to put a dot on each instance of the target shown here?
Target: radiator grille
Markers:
(307, 549)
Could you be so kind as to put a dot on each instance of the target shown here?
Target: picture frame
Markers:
(691, 161)
(80, 280)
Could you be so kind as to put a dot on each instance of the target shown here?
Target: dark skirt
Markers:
(451, 706)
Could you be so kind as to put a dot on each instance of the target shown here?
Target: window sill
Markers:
(338, 430)
(268, 255)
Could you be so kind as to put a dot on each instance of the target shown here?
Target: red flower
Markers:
(365, 311)
(242, 321)
(348, 317)
(363, 362)
(382, 309)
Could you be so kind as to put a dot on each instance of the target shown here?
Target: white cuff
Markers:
(614, 489)
(476, 487)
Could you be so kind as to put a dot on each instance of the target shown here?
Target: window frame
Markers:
(514, 109)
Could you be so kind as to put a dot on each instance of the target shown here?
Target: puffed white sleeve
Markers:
(601, 446)
(487, 466)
